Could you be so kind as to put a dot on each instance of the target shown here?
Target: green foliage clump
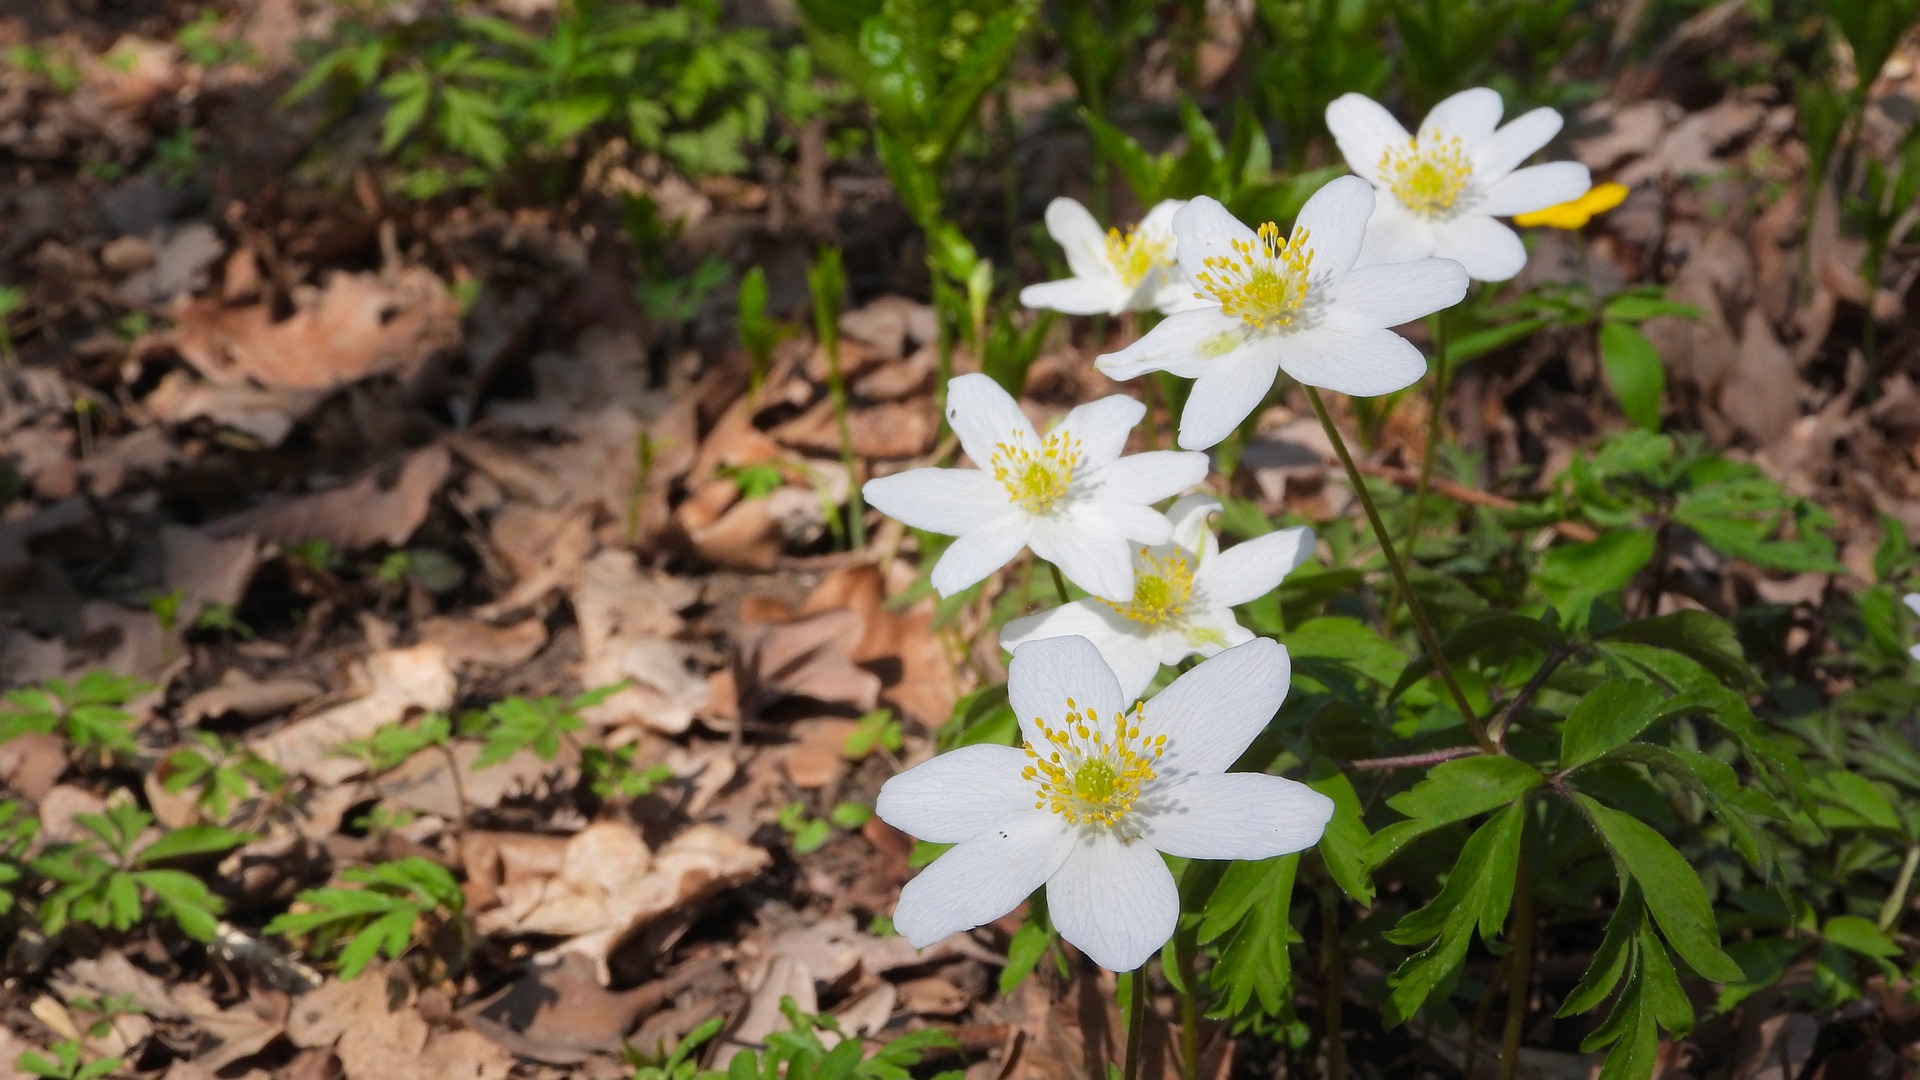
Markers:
(390, 905)
(88, 712)
(467, 96)
(108, 878)
(797, 1054)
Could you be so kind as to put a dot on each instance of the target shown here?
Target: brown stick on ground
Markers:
(1408, 479)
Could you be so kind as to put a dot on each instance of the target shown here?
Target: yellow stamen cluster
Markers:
(1427, 177)
(1037, 480)
(1161, 589)
(1133, 254)
(1262, 282)
(1088, 774)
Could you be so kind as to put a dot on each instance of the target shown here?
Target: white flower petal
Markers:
(1390, 294)
(1489, 249)
(1227, 392)
(1362, 363)
(1204, 229)
(1470, 115)
(1211, 714)
(1131, 522)
(1395, 234)
(1235, 816)
(1102, 427)
(1159, 220)
(1212, 632)
(1135, 660)
(1336, 221)
(1089, 619)
(950, 501)
(1253, 568)
(1912, 600)
(984, 415)
(1043, 674)
(976, 554)
(1079, 296)
(1173, 294)
(984, 878)
(1115, 901)
(1535, 187)
(1514, 144)
(1185, 343)
(1189, 515)
(1081, 237)
(1147, 477)
(957, 795)
(1363, 129)
(1098, 560)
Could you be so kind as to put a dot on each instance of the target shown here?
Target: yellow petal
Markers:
(1575, 214)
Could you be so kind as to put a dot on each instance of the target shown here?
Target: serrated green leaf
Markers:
(1672, 890)
(1612, 714)
(191, 840)
(1344, 845)
(1452, 791)
(1573, 576)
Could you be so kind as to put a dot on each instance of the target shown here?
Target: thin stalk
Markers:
(1334, 993)
(1436, 416)
(1060, 584)
(1897, 899)
(856, 504)
(1183, 950)
(1136, 1021)
(1428, 638)
(1520, 977)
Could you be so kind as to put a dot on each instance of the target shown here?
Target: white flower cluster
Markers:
(1105, 783)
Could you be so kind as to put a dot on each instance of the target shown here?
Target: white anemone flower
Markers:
(1098, 793)
(1071, 497)
(1913, 604)
(1452, 178)
(1294, 302)
(1113, 271)
(1184, 592)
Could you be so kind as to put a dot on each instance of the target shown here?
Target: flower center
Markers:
(1427, 178)
(1262, 282)
(1037, 480)
(1161, 588)
(1087, 773)
(1133, 254)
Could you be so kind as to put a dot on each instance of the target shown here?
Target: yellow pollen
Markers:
(1037, 480)
(1262, 282)
(1093, 774)
(1161, 589)
(1133, 254)
(1427, 177)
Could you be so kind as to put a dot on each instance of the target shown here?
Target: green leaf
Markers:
(1029, 943)
(1477, 893)
(1697, 635)
(1635, 372)
(1611, 959)
(192, 840)
(1611, 715)
(1573, 576)
(1343, 847)
(1673, 891)
(1860, 935)
(1452, 791)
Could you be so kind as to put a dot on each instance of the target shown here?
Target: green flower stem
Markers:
(1520, 974)
(1897, 899)
(1060, 584)
(1428, 639)
(1436, 414)
(1335, 987)
(1183, 950)
(1136, 1020)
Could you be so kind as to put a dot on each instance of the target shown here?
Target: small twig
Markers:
(1413, 761)
(1406, 478)
(1505, 721)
